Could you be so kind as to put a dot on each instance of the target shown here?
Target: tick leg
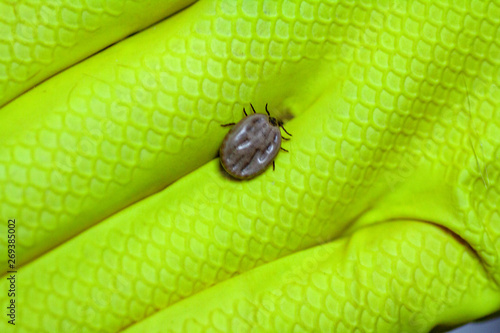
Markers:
(285, 130)
(267, 111)
(245, 112)
(273, 166)
(283, 149)
(286, 139)
(252, 108)
(230, 124)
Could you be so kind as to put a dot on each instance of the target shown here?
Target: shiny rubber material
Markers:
(383, 216)
(39, 38)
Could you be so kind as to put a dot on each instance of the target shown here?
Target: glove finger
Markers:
(40, 39)
(401, 276)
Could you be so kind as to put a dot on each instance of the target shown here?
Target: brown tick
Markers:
(251, 145)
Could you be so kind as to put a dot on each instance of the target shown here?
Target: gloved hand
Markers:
(383, 216)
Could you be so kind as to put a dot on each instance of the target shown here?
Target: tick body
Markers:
(251, 146)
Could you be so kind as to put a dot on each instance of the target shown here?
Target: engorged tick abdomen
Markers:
(250, 146)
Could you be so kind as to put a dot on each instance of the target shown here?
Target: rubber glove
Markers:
(40, 38)
(382, 217)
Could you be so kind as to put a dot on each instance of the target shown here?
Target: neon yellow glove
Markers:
(41, 38)
(383, 216)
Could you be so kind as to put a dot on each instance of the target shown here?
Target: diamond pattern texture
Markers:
(121, 131)
(394, 164)
(366, 283)
(41, 38)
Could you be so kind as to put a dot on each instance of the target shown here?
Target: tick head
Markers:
(275, 122)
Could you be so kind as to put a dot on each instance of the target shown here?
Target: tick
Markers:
(251, 145)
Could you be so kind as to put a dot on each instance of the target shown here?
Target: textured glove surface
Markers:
(383, 216)
(40, 38)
